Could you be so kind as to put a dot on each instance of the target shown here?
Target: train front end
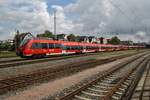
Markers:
(22, 45)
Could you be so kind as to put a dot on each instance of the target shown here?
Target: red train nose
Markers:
(27, 52)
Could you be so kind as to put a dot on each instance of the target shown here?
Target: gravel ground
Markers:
(52, 88)
(57, 95)
(25, 69)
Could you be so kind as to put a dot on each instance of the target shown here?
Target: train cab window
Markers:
(51, 46)
(57, 46)
(25, 39)
(36, 46)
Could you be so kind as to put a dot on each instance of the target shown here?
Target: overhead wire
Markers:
(116, 6)
(123, 13)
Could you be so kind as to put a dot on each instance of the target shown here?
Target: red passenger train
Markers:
(34, 47)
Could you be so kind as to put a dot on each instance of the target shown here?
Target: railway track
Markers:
(14, 83)
(17, 62)
(142, 90)
(111, 85)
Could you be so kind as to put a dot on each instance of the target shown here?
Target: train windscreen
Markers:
(26, 38)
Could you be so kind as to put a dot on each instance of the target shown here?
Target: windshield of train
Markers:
(26, 39)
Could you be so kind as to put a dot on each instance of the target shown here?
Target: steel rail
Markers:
(115, 88)
(18, 62)
(109, 72)
(50, 73)
(141, 94)
(132, 91)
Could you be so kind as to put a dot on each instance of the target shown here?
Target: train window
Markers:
(81, 47)
(57, 46)
(86, 47)
(63, 47)
(51, 46)
(76, 48)
(90, 47)
(68, 47)
(44, 45)
(23, 42)
(71, 48)
(103, 47)
(36, 46)
(25, 39)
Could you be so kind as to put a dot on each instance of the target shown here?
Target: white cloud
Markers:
(88, 17)
(112, 16)
(31, 16)
(23, 15)
(64, 25)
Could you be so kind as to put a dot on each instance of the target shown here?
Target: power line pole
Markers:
(55, 24)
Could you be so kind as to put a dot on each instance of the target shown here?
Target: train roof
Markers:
(78, 43)
(45, 40)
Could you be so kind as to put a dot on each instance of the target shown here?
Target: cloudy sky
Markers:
(128, 19)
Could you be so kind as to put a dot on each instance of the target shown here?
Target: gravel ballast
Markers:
(49, 89)
(26, 69)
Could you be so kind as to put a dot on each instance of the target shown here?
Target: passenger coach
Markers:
(34, 47)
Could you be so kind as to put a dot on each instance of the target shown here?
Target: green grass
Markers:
(12, 54)
(109, 54)
(7, 54)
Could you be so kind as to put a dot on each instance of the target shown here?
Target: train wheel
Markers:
(34, 56)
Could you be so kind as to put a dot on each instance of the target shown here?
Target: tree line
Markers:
(71, 37)
(7, 46)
